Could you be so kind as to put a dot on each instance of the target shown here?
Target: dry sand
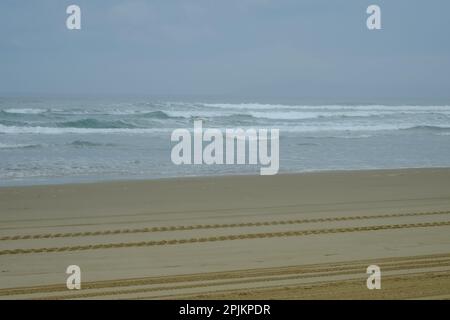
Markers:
(281, 237)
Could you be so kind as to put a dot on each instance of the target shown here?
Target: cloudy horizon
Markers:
(317, 50)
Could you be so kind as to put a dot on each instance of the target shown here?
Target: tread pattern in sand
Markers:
(216, 226)
(225, 238)
(319, 279)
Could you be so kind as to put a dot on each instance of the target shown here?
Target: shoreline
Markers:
(89, 181)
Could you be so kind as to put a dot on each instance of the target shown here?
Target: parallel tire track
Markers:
(266, 275)
(214, 226)
(430, 284)
(223, 238)
(203, 285)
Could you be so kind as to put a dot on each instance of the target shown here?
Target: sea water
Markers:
(55, 140)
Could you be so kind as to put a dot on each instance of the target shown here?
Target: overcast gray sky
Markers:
(279, 48)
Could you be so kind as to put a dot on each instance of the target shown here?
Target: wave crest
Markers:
(96, 124)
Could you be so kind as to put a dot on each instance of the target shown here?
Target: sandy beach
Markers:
(296, 236)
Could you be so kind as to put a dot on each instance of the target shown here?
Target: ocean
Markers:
(46, 141)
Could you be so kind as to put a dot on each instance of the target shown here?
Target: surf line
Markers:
(190, 148)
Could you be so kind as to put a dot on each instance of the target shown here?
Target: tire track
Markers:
(204, 285)
(399, 262)
(222, 238)
(214, 226)
(430, 284)
(268, 275)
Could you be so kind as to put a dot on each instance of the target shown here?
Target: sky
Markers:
(310, 49)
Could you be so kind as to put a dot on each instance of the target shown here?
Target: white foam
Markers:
(50, 130)
(259, 106)
(240, 106)
(25, 111)
(349, 128)
(17, 146)
(293, 115)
